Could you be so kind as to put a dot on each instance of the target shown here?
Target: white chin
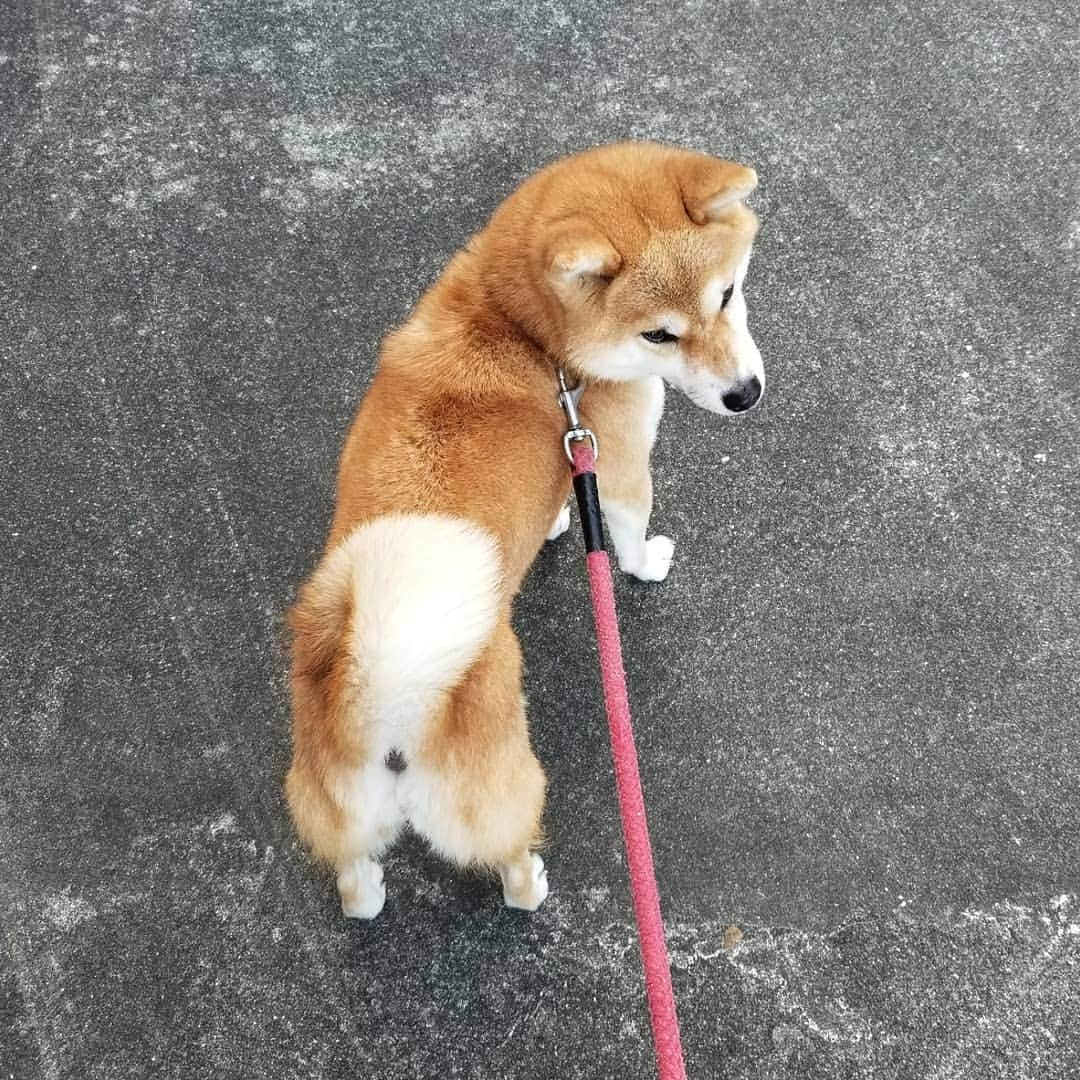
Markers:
(707, 397)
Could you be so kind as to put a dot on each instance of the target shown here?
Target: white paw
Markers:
(659, 551)
(525, 888)
(562, 523)
(362, 889)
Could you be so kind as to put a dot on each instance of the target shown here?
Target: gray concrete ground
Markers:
(856, 695)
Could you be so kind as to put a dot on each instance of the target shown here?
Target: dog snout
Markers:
(744, 395)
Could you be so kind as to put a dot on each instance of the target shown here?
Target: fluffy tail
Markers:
(392, 617)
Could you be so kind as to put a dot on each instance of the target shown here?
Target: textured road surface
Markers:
(856, 695)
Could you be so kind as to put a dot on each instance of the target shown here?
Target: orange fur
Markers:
(462, 421)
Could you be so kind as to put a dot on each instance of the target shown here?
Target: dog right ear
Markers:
(709, 185)
(578, 257)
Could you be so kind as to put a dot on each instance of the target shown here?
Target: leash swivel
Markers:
(569, 396)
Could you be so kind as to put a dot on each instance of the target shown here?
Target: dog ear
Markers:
(709, 184)
(577, 255)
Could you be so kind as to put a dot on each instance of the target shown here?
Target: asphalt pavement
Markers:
(856, 696)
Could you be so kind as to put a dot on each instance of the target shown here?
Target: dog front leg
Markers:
(647, 559)
(626, 416)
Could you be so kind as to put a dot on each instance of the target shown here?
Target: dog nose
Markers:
(743, 397)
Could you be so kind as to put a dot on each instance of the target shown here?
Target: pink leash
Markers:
(581, 448)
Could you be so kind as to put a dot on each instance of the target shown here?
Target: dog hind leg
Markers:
(481, 793)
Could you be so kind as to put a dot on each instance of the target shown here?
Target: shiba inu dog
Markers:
(623, 266)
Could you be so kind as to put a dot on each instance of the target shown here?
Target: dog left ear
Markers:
(708, 185)
(578, 254)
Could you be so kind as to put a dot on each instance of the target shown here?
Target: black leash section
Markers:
(585, 488)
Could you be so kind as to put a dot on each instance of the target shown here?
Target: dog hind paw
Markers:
(362, 889)
(525, 886)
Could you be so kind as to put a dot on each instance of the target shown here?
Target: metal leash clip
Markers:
(569, 396)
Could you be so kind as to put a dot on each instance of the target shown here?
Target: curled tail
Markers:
(390, 620)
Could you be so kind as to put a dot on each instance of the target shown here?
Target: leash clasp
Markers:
(569, 396)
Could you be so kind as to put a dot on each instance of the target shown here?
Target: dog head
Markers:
(636, 256)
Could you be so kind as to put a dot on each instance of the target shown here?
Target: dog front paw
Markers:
(659, 551)
(562, 523)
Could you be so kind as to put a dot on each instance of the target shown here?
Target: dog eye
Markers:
(727, 296)
(658, 337)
